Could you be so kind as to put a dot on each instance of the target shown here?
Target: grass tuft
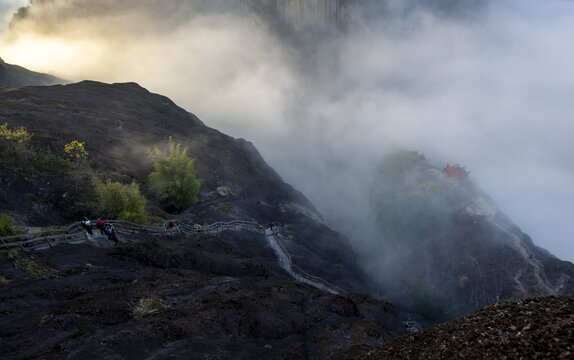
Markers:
(148, 305)
(32, 268)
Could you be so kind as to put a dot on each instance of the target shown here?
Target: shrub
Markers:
(173, 181)
(116, 200)
(76, 151)
(26, 157)
(19, 135)
(6, 226)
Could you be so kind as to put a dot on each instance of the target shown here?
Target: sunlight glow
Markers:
(62, 58)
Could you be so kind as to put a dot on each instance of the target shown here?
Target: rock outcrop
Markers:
(450, 250)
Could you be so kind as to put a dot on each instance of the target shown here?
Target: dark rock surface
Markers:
(219, 300)
(121, 122)
(536, 328)
(17, 76)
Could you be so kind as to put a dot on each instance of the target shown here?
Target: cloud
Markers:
(486, 86)
(7, 10)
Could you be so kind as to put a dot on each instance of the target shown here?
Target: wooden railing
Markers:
(295, 270)
(75, 233)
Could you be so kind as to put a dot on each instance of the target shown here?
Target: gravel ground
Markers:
(535, 328)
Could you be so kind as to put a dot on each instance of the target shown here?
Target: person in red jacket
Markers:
(100, 225)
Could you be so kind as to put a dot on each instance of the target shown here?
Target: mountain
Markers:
(448, 249)
(220, 295)
(120, 123)
(17, 76)
(240, 291)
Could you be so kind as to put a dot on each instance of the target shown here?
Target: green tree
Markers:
(174, 181)
(116, 200)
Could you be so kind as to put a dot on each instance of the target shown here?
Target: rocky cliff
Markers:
(448, 249)
(314, 15)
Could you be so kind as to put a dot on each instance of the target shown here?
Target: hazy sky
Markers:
(495, 94)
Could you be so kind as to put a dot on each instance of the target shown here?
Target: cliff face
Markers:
(310, 12)
(449, 249)
(323, 14)
(297, 15)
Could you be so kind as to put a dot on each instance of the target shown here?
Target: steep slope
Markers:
(148, 298)
(17, 76)
(450, 249)
(121, 122)
(537, 328)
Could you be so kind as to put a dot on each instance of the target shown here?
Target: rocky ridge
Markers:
(468, 253)
(16, 76)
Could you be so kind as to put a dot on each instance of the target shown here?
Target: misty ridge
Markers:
(325, 88)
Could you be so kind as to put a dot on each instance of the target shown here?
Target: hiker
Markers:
(86, 224)
(171, 224)
(113, 236)
(100, 225)
(108, 229)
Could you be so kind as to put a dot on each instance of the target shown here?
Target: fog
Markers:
(488, 87)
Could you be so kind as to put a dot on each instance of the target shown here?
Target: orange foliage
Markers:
(455, 172)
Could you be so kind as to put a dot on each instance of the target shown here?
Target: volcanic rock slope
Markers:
(213, 297)
(120, 123)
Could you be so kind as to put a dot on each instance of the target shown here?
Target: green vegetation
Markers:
(20, 152)
(19, 135)
(173, 181)
(6, 226)
(33, 268)
(115, 200)
(411, 204)
(147, 306)
(76, 151)
(413, 201)
(399, 169)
